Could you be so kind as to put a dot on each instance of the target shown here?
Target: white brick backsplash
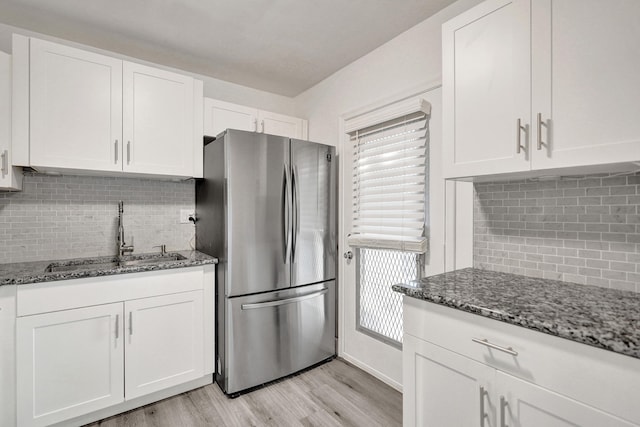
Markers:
(58, 217)
(578, 229)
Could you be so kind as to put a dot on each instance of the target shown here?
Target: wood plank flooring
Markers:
(334, 394)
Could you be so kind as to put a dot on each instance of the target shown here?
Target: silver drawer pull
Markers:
(486, 342)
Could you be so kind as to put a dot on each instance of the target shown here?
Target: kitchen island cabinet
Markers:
(541, 87)
(495, 349)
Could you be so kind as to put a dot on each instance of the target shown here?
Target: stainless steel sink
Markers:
(106, 263)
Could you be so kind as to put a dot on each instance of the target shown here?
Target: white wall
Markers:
(213, 88)
(406, 65)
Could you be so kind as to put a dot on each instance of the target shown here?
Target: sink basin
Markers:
(106, 263)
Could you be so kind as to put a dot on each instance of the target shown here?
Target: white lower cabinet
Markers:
(464, 370)
(69, 363)
(73, 363)
(164, 345)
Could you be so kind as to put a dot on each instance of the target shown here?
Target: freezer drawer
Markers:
(275, 334)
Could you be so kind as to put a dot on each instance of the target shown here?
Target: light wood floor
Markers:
(333, 394)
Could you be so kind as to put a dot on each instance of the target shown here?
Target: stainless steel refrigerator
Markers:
(266, 209)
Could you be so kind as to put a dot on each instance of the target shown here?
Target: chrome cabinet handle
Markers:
(486, 342)
(482, 413)
(116, 152)
(521, 128)
(503, 405)
(540, 124)
(276, 303)
(128, 152)
(131, 323)
(5, 164)
(117, 326)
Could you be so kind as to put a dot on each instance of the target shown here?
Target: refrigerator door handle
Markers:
(296, 212)
(286, 215)
(276, 303)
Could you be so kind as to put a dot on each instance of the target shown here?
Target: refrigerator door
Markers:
(258, 212)
(276, 334)
(313, 177)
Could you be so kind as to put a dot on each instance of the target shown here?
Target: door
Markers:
(220, 115)
(486, 85)
(69, 363)
(279, 124)
(164, 342)
(75, 108)
(523, 404)
(276, 334)
(258, 217)
(158, 121)
(313, 183)
(443, 388)
(586, 82)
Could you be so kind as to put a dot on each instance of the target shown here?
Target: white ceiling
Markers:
(280, 46)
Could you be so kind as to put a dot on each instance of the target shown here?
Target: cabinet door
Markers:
(10, 177)
(281, 125)
(586, 84)
(220, 115)
(69, 363)
(486, 88)
(443, 388)
(75, 108)
(524, 404)
(158, 121)
(164, 342)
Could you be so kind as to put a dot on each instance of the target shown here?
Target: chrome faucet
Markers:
(123, 248)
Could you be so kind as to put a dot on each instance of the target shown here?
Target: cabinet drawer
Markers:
(67, 294)
(600, 378)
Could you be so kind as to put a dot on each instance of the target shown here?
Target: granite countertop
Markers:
(601, 317)
(21, 273)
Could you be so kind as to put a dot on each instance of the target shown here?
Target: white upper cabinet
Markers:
(586, 82)
(540, 85)
(75, 108)
(158, 121)
(221, 115)
(486, 82)
(10, 177)
(92, 112)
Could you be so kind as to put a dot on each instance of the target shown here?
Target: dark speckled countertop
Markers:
(601, 317)
(21, 273)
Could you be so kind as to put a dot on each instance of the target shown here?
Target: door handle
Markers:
(115, 150)
(117, 326)
(128, 152)
(540, 124)
(482, 413)
(131, 323)
(296, 213)
(5, 163)
(348, 255)
(503, 405)
(262, 126)
(508, 350)
(276, 303)
(286, 215)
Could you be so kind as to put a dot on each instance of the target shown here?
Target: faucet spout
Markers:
(123, 248)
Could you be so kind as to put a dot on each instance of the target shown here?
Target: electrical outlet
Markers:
(184, 216)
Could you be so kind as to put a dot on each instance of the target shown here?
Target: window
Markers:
(390, 161)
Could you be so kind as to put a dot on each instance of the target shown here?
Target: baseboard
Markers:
(368, 369)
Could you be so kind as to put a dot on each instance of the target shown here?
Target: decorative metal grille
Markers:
(379, 310)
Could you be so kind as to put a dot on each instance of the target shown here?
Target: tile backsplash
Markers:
(58, 217)
(578, 229)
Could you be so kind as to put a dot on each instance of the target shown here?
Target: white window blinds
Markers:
(389, 182)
